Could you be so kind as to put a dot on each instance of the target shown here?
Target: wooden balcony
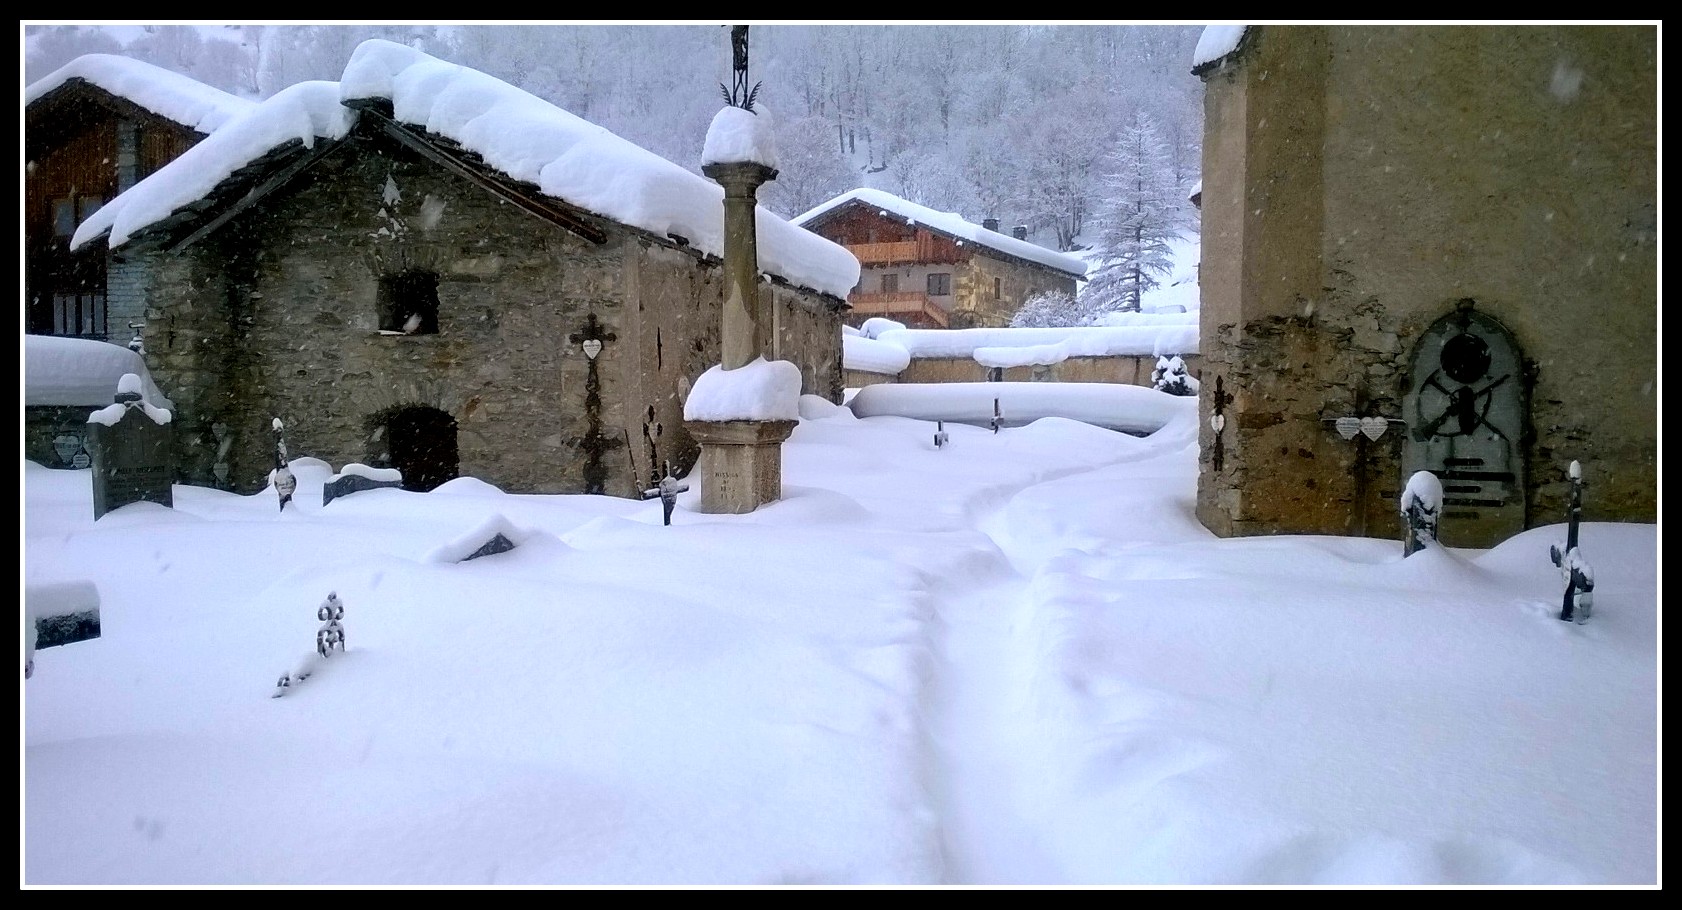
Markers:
(884, 253)
(926, 249)
(910, 307)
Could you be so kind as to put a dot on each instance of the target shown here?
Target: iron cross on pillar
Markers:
(595, 443)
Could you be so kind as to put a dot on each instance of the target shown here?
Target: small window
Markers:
(408, 303)
(995, 289)
(890, 282)
(940, 284)
(79, 315)
(64, 218)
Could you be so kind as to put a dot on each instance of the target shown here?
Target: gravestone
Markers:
(129, 443)
(1467, 416)
(355, 478)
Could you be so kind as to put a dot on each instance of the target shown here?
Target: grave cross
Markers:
(998, 418)
(939, 434)
(284, 483)
(595, 443)
(1217, 421)
(1578, 574)
(666, 490)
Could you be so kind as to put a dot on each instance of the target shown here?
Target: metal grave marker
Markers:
(1466, 418)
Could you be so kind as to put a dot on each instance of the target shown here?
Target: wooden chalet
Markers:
(92, 129)
(930, 269)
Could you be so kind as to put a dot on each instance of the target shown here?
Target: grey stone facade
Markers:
(278, 313)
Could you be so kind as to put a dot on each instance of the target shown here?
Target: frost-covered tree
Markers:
(1143, 211)
(1051, 309)
(810, 169)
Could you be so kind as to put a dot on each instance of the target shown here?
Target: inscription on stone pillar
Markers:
(1467, 416)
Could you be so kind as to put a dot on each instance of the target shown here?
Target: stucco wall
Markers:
(1358, 182)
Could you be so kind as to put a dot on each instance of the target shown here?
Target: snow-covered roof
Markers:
(168, 94)
(952, 224)
(512, 131)
(78, 372)
(1216, 42)
(305, 112)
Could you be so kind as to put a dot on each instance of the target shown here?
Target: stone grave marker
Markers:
(357, 477)
(129, 444)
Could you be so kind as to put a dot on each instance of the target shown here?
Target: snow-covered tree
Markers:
(810, 169)
(1051, 309)
(1143, 211)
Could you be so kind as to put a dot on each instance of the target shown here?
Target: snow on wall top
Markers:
(1154, 334)
(168, 94)
(1216, 42)
(78, 372)
(951, 223)
(306, 111)
(741, 135)
(514, 131)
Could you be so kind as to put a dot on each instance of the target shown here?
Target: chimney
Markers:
(991, 224)
(1020, 232)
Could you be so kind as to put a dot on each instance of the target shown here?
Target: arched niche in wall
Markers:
(1467, 421)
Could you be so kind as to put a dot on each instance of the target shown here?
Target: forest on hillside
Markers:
(1023, 123)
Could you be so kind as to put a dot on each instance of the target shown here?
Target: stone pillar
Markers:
(745, 325)
(741, 463)
(741, 460)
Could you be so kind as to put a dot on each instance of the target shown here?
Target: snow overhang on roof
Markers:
(1216, 44)
(511, 131)
(951, 224)
(168, 94)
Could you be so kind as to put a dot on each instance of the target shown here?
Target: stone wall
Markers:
(277, 314)
(976, 307)
(43, 424)
(1130, 370)
(1359, 181)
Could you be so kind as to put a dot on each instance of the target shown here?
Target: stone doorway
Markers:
(419, 441)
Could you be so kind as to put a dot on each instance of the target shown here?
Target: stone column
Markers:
(744, 331)
(741, 460)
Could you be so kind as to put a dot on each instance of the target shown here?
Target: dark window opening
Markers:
(408, 303)
(995, 289)
(940, 284)
(890, 283)
(79, 315)
(418, 441)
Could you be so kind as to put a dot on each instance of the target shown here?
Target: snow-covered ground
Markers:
(1014, 659)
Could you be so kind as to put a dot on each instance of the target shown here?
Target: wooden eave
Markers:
(44, 118)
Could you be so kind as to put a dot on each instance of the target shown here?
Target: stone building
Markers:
(930, 269)
(1448, 233)
(93, 128)
(423, 267)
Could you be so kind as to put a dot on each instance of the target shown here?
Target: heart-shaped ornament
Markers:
(1347, 427)
(1374, 427)
(1217, 423)
(592, 347)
